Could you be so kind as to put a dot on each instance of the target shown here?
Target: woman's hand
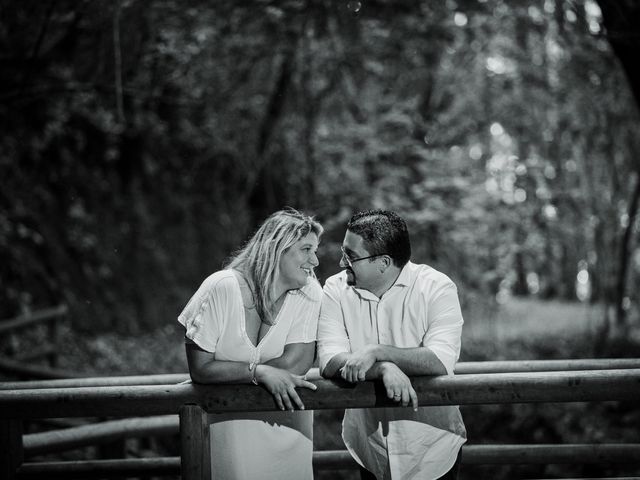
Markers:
(282, 385)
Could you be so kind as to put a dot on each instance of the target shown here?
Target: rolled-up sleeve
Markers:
(332, 334)
(444, 325)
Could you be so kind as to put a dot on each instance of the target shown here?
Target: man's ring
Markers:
(397, 395)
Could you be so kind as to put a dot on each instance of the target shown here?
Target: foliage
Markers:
(143, 141)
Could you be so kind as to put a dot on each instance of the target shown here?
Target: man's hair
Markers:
(259, 260)
(383, 232)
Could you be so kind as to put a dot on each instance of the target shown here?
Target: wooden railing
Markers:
(192, 402)
(19, 363)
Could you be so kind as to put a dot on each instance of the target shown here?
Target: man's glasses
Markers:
(351, 261)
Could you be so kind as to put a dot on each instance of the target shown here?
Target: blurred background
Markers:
(143, 142)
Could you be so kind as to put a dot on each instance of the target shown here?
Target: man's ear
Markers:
(386, 263)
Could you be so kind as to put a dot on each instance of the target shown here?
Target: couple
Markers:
(381, 318)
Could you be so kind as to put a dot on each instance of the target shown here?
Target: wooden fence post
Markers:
(195, 451)
(11, 454)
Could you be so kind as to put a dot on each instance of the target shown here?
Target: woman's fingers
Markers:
(284, 391)
(414, 398)
(307, 384)
(286, 400)
(278, 400)
(296, 399)
(291, 398)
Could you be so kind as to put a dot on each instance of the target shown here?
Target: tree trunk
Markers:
(625, 250)
(621, 19)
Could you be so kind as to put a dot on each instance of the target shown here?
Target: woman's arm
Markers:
(297, 358)
(280, 383)
(204, 368)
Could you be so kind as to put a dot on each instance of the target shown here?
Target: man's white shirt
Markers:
(421, 309)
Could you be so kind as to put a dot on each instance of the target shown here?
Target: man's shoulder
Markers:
(337, 282)
(427, 275)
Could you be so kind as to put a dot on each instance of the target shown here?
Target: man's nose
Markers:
(343, 263)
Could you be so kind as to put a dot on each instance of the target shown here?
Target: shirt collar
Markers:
(404, 279)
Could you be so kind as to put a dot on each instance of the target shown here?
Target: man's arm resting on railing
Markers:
(397, 385)
(364, 364)
(412, 361)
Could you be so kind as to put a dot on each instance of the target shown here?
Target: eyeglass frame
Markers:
(350, 261)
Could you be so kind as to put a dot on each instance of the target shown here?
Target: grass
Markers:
(536, 319)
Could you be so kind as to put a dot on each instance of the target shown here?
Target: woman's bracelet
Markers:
(252, 369)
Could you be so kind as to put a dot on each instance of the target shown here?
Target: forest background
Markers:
(142, 142)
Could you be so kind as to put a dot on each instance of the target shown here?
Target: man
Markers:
(383, 318)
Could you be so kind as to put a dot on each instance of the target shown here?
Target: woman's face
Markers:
(298, 262)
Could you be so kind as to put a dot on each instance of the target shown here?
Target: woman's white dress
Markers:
(256, 445)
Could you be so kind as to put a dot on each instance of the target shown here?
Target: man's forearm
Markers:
(369, 363)
(375, 372)
(332, 369)
(412, 361)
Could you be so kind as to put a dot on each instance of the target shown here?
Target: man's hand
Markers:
(358, 364)
(398, 385)
(282, 385)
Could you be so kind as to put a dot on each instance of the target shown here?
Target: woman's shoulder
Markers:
(222, 281)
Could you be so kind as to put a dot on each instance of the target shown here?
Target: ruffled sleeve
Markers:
(204, 315)
(304, 324)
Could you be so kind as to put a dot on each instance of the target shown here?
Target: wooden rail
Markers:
(82, 436)
(618, 384)
(98, 433)
(63, 379)
(121, 468)
(50, 318)
(342, 460)
(26, 320)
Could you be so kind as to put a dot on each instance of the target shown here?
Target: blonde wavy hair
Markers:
(258, 261)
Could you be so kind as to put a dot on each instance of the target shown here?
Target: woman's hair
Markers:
(258, 261)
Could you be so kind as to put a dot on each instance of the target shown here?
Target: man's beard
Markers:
(351, 277)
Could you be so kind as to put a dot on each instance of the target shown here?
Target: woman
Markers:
(255, 322)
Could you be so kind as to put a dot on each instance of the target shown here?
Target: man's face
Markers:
(360, 273)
